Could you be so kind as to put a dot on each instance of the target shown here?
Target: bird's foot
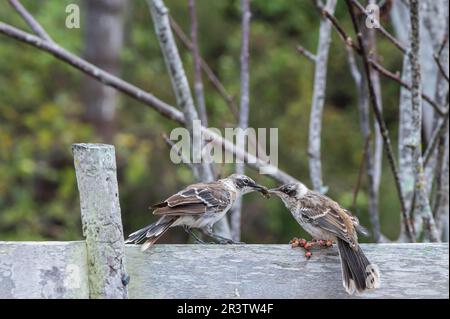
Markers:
(197, 239)
(220, 239)
(226, 241)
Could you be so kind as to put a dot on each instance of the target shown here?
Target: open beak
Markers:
(274, 191)
(263, 190)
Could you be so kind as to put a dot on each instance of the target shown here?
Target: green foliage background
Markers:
(40, 108)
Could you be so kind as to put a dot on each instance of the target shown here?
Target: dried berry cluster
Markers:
(307, 245)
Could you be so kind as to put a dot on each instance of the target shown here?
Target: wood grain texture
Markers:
(278, 271)
(43, 270)
(95, 166)
(59, 270)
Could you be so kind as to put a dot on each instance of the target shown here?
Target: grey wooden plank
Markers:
(43, 270)
(277, 271)
(59, 270)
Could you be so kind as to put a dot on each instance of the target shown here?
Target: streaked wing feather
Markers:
(328, 218)
(195, 199)
(190, 209)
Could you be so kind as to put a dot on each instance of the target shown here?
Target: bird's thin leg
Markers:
(222, 240)
(188, 230)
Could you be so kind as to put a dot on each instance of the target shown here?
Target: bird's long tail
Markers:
(357, 272)
(151, 233)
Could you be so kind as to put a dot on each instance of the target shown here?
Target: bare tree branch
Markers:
(380, 120)
(441, 67)
(422, 209)
(342, 33)
(378, 67)
(368, 156)
(441, 200)
(306, 53)
(198, 83)
(318, 101)
(354, 70)
(438, 132)
(95, 72)
(29, 19)
(178, 77)
(377, 161)
(381, 29)
(183, 95)
(212, 77)
(136, 93)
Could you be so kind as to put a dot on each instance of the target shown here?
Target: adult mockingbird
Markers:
(199, 205)
(325, 219)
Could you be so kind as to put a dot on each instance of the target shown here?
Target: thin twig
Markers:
(95, 72)
(306, 53)
(179, 81)
(354, 70)
(396, 42)
(381, 29)
(212, 77)
(443, 44)
(198, 83)
(30, 20)
(441, 67)
(386, 73)
(344, 36)
(360, 172)
(381, 123)
(437, 133)
(437, 56)
(136, 93)
(382, 70)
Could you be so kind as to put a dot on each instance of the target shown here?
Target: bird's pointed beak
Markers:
(274, 191)
(263, 190)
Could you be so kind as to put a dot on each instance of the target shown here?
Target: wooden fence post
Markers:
(95, 167)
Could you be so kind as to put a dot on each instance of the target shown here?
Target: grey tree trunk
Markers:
(244, 110)
(400, 18)
(432, 26)
(103, 43)
(423, 217)
(318, 100)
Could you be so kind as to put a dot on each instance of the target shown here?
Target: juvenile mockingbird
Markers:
(199, 205)
(325, 219)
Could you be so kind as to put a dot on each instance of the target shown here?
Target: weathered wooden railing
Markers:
(96, 267)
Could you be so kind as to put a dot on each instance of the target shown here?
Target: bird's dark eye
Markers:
(289, 190)
(242, 182)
